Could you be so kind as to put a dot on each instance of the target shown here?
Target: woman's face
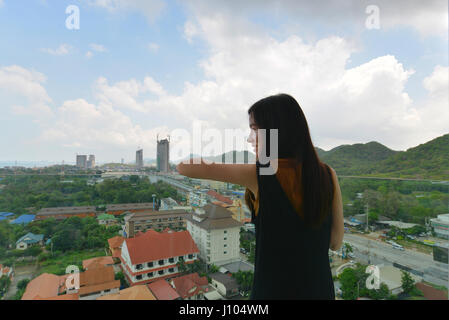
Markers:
(252, 138)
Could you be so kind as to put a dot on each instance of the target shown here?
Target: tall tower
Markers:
(91, 161)
(163, 153)
(81, 161)
(139, 159)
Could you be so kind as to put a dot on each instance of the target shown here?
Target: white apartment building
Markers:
(153, 255)
(216, 234)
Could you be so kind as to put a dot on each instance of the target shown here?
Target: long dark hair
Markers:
(282, 112)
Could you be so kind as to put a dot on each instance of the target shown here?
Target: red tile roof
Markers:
(221, 204)
(98, 261)
(219, 197)
(190, 284)
(115, 242)
(42, 287)
(154, 246)
(140, 292)
(162, 290)
(72, 296)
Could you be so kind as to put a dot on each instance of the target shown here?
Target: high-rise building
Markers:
(139, 158)
(163, 152)
(81, 161)
(91, 162)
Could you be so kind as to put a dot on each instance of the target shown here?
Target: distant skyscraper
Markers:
(81, 161)
(163, 152)
(123, 160)
(139, 158)
(91, 162)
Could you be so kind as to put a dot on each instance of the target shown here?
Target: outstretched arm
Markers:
(337, 228)
(241, 174)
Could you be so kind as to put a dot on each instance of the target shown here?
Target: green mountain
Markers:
(429, 160)
(357, 158)
(426, 161)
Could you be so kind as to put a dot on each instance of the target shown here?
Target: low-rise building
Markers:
(118, 209)
(190, 286)
(168, 204)
(162, 290)
(197, 198)
(96, 282)
(28, 240)
(225, 284)
(107, 220)
(440, 225)
(60, 213)
(115, 247)
(216, 233)
(98, 261)
(47, 287)
(140, 292)
(143, 221)
(152, 256)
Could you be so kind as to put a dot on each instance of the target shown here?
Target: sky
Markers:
(127, 71)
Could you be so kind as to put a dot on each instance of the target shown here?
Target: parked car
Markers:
(243, 250)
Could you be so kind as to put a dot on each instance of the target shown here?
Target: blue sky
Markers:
(195, 53)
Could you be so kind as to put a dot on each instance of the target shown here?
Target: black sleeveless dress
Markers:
(291, 259)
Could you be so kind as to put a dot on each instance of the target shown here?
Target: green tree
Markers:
(407, 282)
(22, 284)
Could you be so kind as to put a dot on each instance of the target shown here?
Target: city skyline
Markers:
(355, 83)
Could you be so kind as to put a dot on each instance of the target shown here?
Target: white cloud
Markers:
(190, 30)
(427, 17)
(89, 54)
(62, 50)
(97, 47)
(86, 126)
(18, 81)
(151, 9)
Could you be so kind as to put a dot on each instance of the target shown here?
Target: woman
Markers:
(297, 211)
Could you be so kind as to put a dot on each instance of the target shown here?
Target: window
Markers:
(181, 258)
(190, 256)
(139, 266)
(149, 274)
(171, 270)
(225, 245)
(171, 260)
(139, 277)
(224, 252)
(225, 231)
(161, 272)
(150, 264)
(161, 262)
(225, 238)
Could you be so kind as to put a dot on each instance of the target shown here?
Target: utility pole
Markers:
(367, 213)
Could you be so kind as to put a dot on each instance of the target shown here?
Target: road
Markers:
(378, 252)
(20, 273)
